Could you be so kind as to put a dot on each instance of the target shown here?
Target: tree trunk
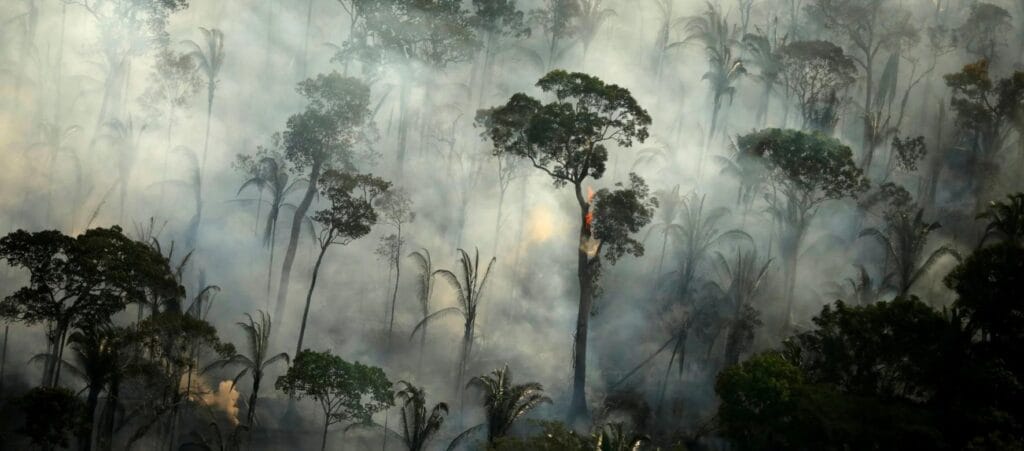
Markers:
(106, 438)
(403, 121)
(85, 437)
(869, 146)
(309, 296)
(305, 42)
(323, 441)
(394, 293)
(3, 357)
(251, 414)
(766, 99)
(293, 240)
(578, 411)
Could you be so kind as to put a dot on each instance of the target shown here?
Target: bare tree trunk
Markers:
(309, 296)
(394, 293)
(323, 440)
(403, 121)
(293, 240)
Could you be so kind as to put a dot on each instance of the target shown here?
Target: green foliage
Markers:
(758, 397)
(418, 425)
(620, 213)
(983, 32)
(990, 289)
(812, 166)
(351, 213)
(50, 414)
(434, 33)
(816, 73)
(346, 391)
(327, 134)
(566, 138)
(1005, 219)
(499, 17)
(555, 436)
(985, 107)
(504, 401)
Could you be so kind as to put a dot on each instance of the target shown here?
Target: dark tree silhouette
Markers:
(418, 425)
(324, 137)
(349, 216)
(504, 402)
(805, 170)
(567, 139)
(350, 392)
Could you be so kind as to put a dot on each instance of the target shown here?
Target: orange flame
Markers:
(589, 218)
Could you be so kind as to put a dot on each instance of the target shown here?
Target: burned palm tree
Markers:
(468, 290)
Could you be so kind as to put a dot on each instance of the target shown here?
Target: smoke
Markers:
(528, 311)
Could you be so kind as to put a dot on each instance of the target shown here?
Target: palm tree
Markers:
(419, 426)
(749, 172)
(469, 290)
(257, 334)
(424, 289)
(210, 61)
(669, 203)
(504, 402)
(1005, 220)
(125, 139)
(96, 359)
(54, 140)
(589, 22)
(742, 279)
(764, 53)
(862, 288)
(699, 234)
(904, 242)
(271, 174)
(711, 29)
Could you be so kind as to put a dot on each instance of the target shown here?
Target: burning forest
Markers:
(511, 224)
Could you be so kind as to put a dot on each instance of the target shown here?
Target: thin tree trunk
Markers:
(105, 440)
(305, 42)
(3, 357)
(323, 441)
(309, 296)
(394, 293)
(403, 121)
(251, 414)
(293, 240)
(91, 401)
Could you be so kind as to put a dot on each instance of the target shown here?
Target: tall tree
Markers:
(592, 16)
(815, 74)
(350, 392)
(469, 291)
(496, 21)
(268, 170)
(326, 136)
(985, 110)
(210, 59)
(763, 48)
(712, 30)
(567, 139)
(805, 170)
(396, 208)
(349, 216)
(559, 20)
(869, 27)
(414, 34)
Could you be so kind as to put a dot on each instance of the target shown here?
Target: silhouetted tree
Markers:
(805, 170)
(350, 392)
(257, 339)
(504, 402)
(566, 139)
(469, 291)
(395, 207)
(349, 216)
(713, 32)
(816, 74)
(418, 425)
(324, 137)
